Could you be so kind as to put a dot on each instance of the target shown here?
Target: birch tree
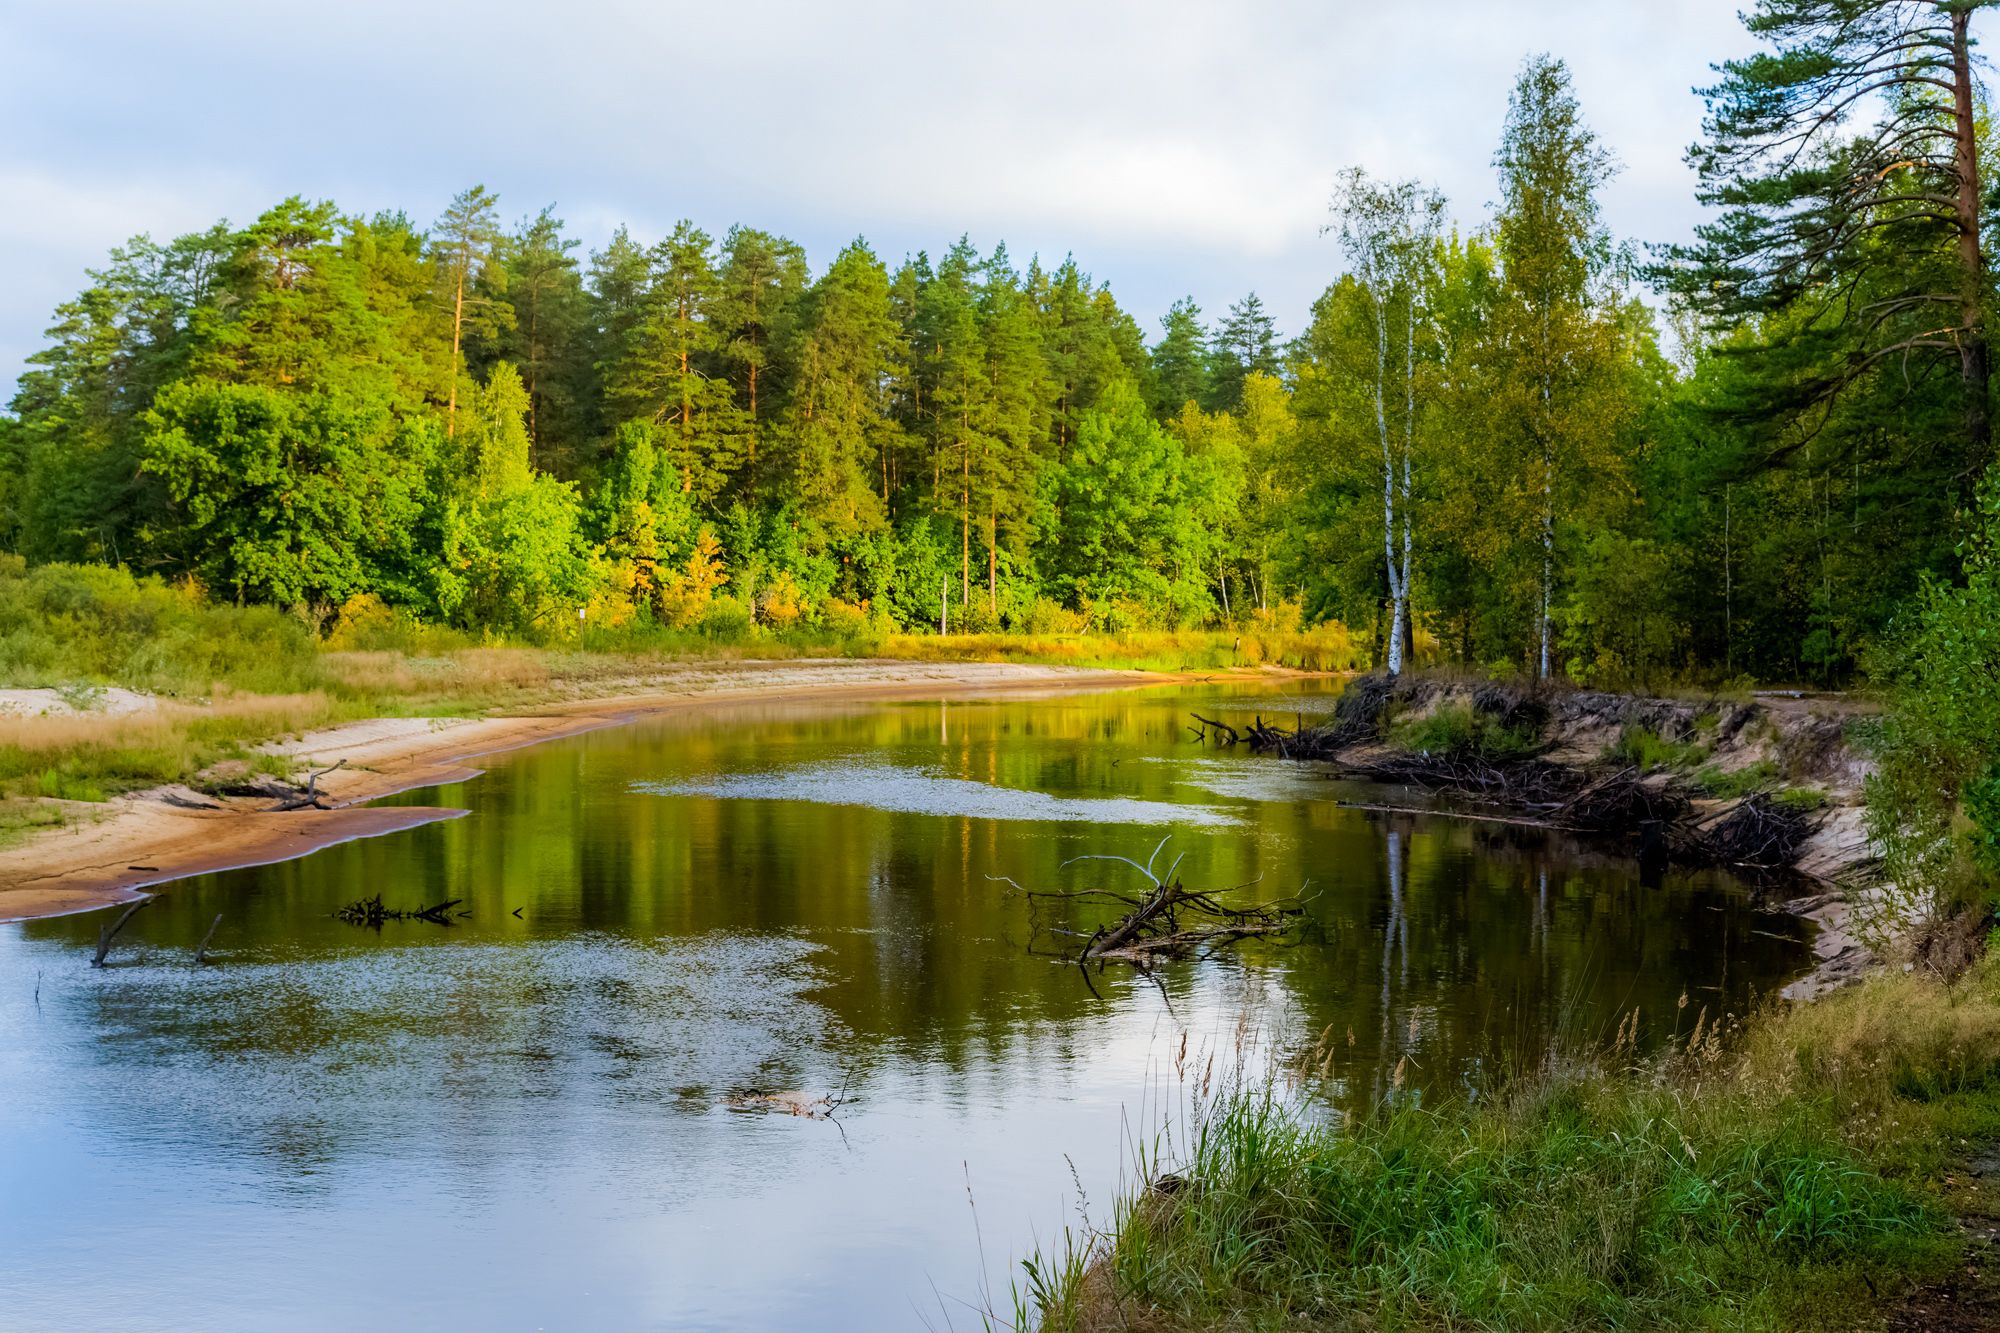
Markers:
(1390, 233)
(1554, 335)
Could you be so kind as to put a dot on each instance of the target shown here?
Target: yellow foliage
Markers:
(686, 593)
(780, 604)
(363, 619)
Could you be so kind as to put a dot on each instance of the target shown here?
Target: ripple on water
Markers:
(924, 791)
(393, 1051)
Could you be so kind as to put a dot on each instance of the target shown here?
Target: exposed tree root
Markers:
(1662, 813)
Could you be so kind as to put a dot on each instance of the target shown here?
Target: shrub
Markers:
(1646, 749)
(1459, 729)
(97, 625)
(726, 620)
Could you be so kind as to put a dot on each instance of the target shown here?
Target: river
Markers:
(541, 1115)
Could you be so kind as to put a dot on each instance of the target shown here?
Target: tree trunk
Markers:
(1393, 649)
(457, 323)
(534, 360)
(1548, 568)
(964, 502)
(1972, 354)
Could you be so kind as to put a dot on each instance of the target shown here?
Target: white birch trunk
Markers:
(1397, 605)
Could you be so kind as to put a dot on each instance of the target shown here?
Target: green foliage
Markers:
(1646, 749)
(1460, 729)
(1730, 783)
(469, 424)
(92, 625)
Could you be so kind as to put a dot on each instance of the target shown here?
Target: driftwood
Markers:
(307, 797)
(110, 932)
(371, 912)
(201, 953)
(1168, 920)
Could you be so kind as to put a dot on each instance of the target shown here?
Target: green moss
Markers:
(1728, 784)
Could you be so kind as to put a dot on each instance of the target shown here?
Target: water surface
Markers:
(531, 1118)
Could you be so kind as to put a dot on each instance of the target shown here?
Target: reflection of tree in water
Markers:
(1444, 944)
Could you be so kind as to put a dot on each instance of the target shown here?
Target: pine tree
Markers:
(671, 375)
(1871, 237)
(463, 245)
(1012, 428)
(618, 292)
(757, 295)
(545, 291)
(951, 361)
(1246, 344)
(1181, 359)
(847, 357)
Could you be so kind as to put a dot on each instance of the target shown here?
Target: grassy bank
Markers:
(1789, 1176)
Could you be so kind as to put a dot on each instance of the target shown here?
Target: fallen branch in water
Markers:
(1169, 920)
(371, 912)
(110, 932)
(201, 953)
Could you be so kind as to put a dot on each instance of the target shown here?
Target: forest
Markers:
(1512, 441)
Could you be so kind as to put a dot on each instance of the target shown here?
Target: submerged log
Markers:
(110, 932)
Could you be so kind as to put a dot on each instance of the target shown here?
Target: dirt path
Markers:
(116, 851)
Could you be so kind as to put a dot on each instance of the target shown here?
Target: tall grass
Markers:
(1778, 1180)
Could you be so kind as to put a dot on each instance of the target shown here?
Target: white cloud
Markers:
(1174, 146)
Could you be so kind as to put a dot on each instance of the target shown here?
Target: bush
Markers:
(95, 624)
(1645, 749)
(1459, 729)
(726, 620)
(368, 624)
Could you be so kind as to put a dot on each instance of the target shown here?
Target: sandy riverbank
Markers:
(118, 851)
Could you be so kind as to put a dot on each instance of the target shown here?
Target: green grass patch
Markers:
(1728, 784)
(1645, 749)
(21, 818)
(1459, 729)
(1784, 1179)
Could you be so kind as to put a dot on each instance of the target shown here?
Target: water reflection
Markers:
(532, 1100)
(918, 791)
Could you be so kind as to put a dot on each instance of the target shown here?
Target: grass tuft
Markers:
(1778, 1179)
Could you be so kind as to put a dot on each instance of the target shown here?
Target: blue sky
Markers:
(1175, 148)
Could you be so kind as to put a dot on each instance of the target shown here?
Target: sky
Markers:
(1174, 148)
